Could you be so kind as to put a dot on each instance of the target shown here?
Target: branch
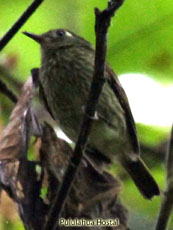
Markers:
(8, 36)
(6, 91)
(101, 27)
(19, 23)
(102, 189)
(18, 176)
(167, 203)
(10, 79)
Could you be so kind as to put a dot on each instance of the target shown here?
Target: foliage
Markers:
(139, 40)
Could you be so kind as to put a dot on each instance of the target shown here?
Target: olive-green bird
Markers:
(66, 72)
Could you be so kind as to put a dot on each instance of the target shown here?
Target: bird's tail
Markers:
(142, 177)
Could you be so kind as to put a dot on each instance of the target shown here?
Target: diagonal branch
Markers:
(10, 78)
(103, 19)
(19, 23)
(6, 91)
(9, 35)
(167, 203)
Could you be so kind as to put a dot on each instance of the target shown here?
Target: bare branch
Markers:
(167, 203)
(90, 192)
(10, 79)
(18, 176)
(169, 163)
(19, 23)
(102, 24)
(6, 91)
(9, 35)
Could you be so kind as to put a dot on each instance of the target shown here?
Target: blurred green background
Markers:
(140, 41)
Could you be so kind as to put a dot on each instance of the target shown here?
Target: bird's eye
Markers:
(60, 33)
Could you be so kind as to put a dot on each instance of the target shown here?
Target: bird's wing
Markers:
(44, 100)
(121, 95)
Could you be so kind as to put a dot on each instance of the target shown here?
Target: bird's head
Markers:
(58, 38)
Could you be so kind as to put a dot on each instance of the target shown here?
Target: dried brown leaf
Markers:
(55, 153)
(93, 195)
(7, 208)
(15, 136)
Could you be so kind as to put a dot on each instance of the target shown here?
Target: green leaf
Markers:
(43, 192)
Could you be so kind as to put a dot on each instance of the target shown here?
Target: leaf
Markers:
(55, 153)
(93, 195)
(15, 136)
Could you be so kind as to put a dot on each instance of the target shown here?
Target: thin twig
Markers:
(101, 27)
(10, 78)
(8, 36)
(19, 23)
(167, 203)
(6, 91)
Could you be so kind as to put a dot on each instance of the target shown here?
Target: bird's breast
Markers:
(66, 83)
(66, 87)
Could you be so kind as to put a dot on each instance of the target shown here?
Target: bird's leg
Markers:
(95, 117)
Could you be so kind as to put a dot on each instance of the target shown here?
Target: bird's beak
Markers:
(36, 37)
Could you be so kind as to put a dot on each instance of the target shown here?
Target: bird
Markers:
(67, 66)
